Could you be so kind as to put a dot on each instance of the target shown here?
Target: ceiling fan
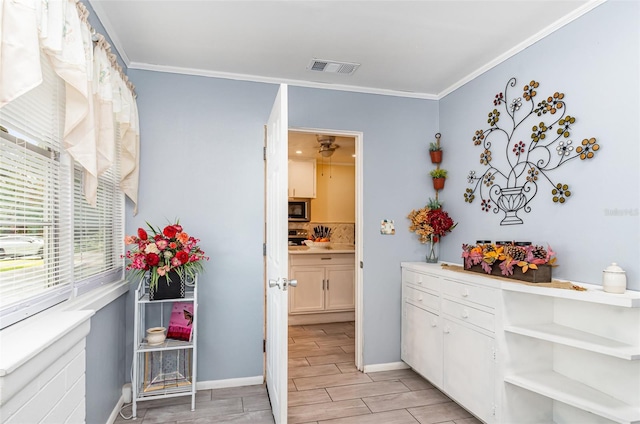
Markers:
(327, 146)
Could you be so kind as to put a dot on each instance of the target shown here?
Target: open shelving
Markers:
(167, 369)
(578, 349)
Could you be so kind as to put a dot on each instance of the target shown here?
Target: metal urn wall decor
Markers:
(523, 145)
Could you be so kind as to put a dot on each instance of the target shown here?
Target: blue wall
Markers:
(202, 162)
(106, 369)
(201, 148)
(597, 69)
(396, 132)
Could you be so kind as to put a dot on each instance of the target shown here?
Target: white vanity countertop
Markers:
(336, 248)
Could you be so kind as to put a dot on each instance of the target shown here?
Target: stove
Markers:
(297, 236)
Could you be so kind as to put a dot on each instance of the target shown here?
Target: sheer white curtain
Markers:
(96, 89)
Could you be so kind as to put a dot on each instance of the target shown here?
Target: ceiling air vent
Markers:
(333, 67)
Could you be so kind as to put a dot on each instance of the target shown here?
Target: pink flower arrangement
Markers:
(161, 252)
(507, 257)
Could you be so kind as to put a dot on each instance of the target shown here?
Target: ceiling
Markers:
(307, 145)
(423, 49)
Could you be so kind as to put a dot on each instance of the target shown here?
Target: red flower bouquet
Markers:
(162, 251)
(430, 224)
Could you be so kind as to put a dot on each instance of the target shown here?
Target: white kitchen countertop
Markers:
(337, 248)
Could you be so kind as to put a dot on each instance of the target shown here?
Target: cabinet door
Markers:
(302, 178)
(422, 342)
(469, 369)
(308, 296)
(340, 288)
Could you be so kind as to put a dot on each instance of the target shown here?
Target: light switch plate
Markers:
(387, 227)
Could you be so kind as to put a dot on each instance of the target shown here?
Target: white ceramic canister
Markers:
(614, 279)
(156, 335)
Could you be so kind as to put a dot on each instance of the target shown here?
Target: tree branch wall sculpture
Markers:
(524, 144)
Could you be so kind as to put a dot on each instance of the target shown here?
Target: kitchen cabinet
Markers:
(326, 283)
(523, 353)
(302, 178)
(424, 353)
(468, 369)
(168, 369)
(447, 337)
(421, 315)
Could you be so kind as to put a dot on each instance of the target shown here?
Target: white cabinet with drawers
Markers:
(515, 353)
(421, 315)
(448, 337)
(326, 283)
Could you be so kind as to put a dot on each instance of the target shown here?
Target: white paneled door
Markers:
(276, 255)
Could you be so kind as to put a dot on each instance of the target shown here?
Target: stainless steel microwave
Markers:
(300, 210)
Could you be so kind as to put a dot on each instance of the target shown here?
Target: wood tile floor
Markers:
(324, 388)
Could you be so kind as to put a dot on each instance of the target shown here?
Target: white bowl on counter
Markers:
(317, 244)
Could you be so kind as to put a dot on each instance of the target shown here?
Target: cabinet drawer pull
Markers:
(465, 313)
(420, 298)
(434, 323)
(465, 292)
(327, 284)
(325, 259)
(447, 330)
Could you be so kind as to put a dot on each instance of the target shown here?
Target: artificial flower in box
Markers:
(169, 256)
(528, 263)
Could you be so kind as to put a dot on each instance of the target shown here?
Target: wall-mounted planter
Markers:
(438, 183)
(436, 157)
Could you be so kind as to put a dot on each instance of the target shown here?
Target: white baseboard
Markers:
(389, 366)
(231, 382)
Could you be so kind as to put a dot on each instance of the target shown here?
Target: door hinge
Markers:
(264, 153)
(264, 345)
(361, 264)
(264, 249)
(493, 349)
(493, 409)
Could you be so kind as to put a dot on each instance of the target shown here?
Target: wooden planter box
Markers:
(540, 275)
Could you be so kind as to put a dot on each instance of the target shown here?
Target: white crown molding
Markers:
(271, 80)
(523, 45)
(108, 27)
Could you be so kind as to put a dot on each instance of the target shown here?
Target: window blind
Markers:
(34, 225)
(53, 244)
(98, 232)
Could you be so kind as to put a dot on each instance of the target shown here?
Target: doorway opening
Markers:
(325, 169)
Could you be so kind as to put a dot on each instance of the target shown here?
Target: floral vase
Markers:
(432, 253)
(166, 289)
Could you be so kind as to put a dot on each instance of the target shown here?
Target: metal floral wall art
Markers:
(525, 142)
